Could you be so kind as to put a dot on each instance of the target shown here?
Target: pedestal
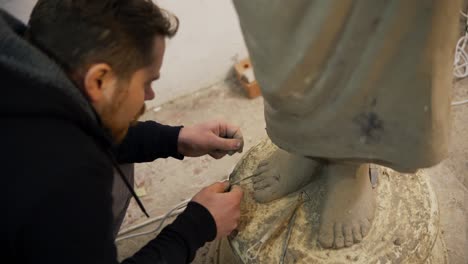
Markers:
(405, 228)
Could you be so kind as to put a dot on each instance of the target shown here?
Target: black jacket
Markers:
(56, 168)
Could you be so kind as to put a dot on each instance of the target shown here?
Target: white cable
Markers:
(153, 220)
(460, 102)
(174, 211)
(158, 219)
(460, 64)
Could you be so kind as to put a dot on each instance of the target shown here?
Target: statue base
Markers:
(405, 227)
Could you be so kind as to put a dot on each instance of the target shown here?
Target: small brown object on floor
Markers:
(250, 85)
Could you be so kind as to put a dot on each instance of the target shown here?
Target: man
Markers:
(72, 82)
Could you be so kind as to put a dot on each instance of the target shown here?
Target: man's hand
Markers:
(215, 138)
(223, 206)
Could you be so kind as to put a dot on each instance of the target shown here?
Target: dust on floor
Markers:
(168, 182)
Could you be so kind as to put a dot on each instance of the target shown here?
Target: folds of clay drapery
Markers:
(363, 80)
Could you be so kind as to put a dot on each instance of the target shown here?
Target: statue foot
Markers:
(281, 174)
(349, 206)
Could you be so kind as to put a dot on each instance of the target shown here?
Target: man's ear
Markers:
(99, 83)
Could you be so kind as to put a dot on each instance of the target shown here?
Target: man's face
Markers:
(127, 103)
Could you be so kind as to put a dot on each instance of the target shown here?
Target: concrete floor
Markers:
(167, 182)
(450, 181)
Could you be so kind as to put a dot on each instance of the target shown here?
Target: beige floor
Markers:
(167, 182)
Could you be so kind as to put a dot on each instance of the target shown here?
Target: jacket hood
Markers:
(34, 85)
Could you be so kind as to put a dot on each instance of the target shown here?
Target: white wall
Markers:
(207, 45)
(204, 50)
(20, 8)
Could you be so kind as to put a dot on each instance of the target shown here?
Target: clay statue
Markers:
(347, 84)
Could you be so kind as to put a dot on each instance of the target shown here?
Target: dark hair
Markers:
(77, 33)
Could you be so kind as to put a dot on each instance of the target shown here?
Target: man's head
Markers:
(111, 49)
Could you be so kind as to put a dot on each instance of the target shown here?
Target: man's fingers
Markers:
(235, 133)
(227, 144)
(232, 132)
(217, 154)
(219, 187)
(237, 191)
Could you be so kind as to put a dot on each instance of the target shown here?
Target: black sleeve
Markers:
(179, 241)
(147, 141)
(62, 199)
(73, 225)
(60, 204)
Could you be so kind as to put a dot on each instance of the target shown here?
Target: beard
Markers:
(118, 130)
(137, 117)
